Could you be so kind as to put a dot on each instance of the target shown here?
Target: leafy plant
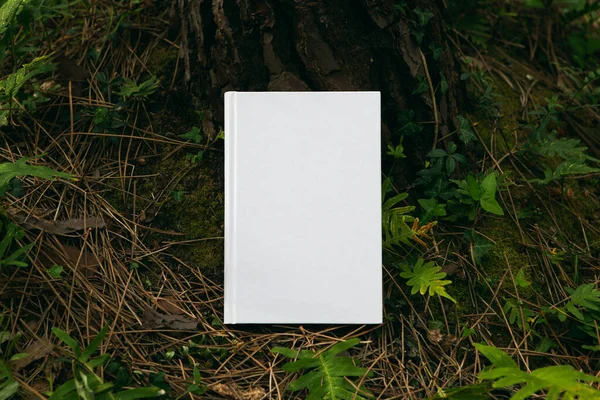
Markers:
(328, 372)
(519, 314)
(482, 193)
(12, 233)
(395, 219)
(8, 11)
(19, 168)
(11, 85)
(9, 386)
(143, 90)
(195, 135)
(431, 208)
(85, 383)
(450, 158)
(427, 278)
(465, 132)
(555, 380)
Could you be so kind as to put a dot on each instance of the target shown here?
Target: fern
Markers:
(555, 380)
(518, 314)
(9, 171)
(395, 219)
(85, 383)
(328, 372)
(427, 278)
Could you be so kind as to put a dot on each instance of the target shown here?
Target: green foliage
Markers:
(473, 193)
(8, 11)
(572, 157)
(406, 123)
(519, 314)
(10, 88)
(20, 168)
(431, 208)
(395, 219)
(85, 383)
(142, 91)
(328, 372)
(396, 152)
(427, 278)
(195, 135)
(465, 132)
(555, 380)
(9, 386)
(12, 233)
(449, 158)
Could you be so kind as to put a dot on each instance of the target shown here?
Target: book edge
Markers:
(230, 135)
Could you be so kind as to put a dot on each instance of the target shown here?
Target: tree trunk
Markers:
(325, 45)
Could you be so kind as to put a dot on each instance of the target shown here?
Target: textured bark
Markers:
(320, 45)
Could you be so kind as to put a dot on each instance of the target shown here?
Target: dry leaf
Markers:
(36, 350)
(170, 304)
(233, 392)
(81, 258)
(57, 227)
(434, 336)
(153, 319)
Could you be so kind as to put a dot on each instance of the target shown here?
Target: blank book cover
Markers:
(302, 207)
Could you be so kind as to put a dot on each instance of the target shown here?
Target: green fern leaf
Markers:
(9, 171)
(395, 221)
(555, 380)
(427, 278)
(328, 372)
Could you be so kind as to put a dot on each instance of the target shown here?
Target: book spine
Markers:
(230, 194)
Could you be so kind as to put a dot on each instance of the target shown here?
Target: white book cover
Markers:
(303, 208)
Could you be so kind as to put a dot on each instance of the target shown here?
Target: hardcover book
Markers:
(303, 208)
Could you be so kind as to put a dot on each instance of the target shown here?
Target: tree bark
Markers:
(327, 45)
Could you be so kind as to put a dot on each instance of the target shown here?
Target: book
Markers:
(303, 208)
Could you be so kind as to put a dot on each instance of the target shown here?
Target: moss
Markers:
(161, 57)
(198, 214)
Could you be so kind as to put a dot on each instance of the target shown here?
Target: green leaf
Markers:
(465, 132)
(19, 168)
(284, 351)
(55, 271)
(8, 11)
(94, 344)
(422, 85)
(68, 340)
(488, 196)
(407, 124)
(496, 356)
(195, 135)
(139, 393)
(427, 278)
(328, 372)
(432, 209)
(423, 15)
(520, 279)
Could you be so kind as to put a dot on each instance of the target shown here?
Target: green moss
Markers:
(161, 56)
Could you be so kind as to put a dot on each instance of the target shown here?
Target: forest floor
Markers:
(135, 242)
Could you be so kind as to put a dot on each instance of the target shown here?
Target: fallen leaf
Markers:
(170, 305)
(81, 258)
(434, 336)
(61, 227)
(233, 392)
(153, 319)
(36, 350)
